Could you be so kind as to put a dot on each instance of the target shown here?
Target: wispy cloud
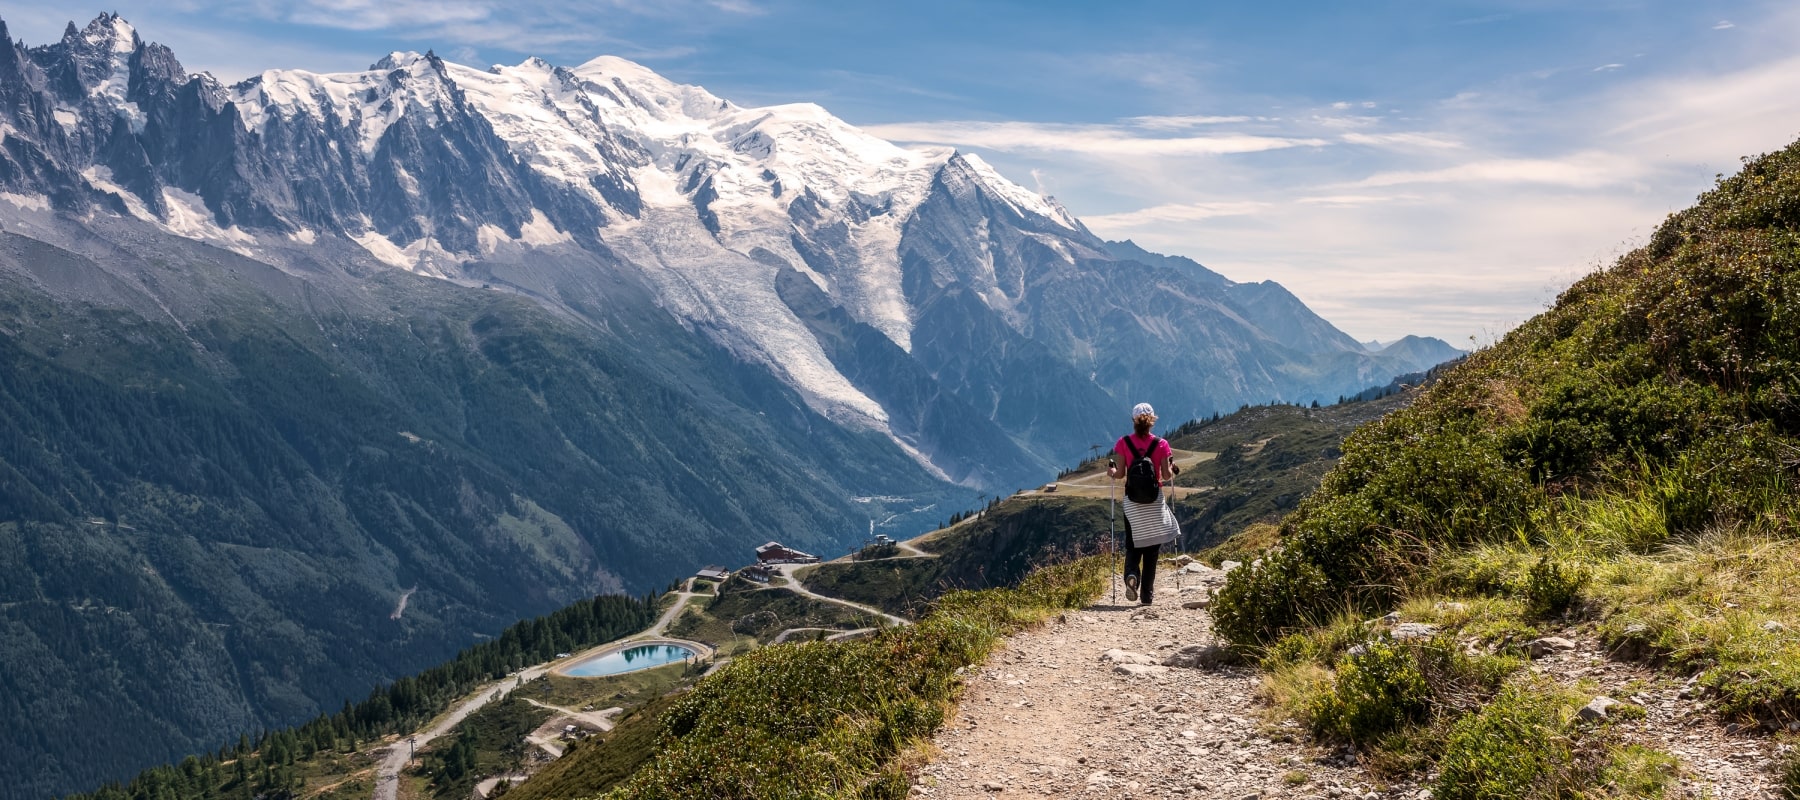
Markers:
(1608, 67)
(1097, 140)
(1403, 140)
(1125, 222)
(1185, 122)
(1724, 25)
(1585, 170)
(368, 15)
(1352, 200)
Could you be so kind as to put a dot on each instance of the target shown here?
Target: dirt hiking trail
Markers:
(1083, 707)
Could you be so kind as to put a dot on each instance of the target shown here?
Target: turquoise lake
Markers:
(630, 659)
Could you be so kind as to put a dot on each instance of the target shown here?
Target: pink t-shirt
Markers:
(1160, 457)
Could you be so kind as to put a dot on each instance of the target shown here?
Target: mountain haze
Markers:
(311, 380)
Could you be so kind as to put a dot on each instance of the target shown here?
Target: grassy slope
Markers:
(1270, 458)
(744, 615)
(598, 765)
(998, 548)
(843, 718)
(1624, 461)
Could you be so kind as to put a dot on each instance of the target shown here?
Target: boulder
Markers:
(1200, 655)
(1118, 656)
(1413, 630)
(1538, 648)
(1595, 710)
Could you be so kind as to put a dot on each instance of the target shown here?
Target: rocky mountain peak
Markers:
(397, 59)
(90, 61)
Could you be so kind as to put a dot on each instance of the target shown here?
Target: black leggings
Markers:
(1141, 561)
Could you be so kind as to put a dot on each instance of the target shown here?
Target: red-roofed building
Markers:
(776, 553)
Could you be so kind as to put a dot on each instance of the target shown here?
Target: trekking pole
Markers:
(1169, 503)
(1174, 470)
(1112, 530)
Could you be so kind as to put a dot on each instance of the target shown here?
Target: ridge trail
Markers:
(1047, 717)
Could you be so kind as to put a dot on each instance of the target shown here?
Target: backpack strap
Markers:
(1148, 453)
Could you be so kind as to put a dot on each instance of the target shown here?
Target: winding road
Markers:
(787, 571)
(387, 771)
(662, 623)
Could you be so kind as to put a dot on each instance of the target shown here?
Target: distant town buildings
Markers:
(776, 553)
(756, 572)
(713, 573)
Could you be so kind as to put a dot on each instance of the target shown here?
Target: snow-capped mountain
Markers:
(916, 292)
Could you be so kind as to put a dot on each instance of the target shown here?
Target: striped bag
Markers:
(1151, 523)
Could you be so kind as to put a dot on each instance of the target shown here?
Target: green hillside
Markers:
(1622, 465)
(1269, 459)
(996, 548)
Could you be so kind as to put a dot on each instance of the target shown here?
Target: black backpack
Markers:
(1140, 478)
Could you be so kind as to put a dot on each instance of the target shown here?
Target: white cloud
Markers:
(369, 15)
(1403, 140)
(1608, 67)
(1464, 218)
(1183, 122)
(1120, 225)
(1724, 25)
(1358, 199)
(1585, 170)
(1095, 140)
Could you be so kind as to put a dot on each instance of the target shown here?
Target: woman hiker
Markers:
(1149, 524)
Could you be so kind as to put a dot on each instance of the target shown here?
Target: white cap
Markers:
(1142, 410)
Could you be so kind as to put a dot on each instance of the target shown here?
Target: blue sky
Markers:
(1433, 167)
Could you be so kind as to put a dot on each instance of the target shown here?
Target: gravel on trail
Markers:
(1088, 706)
(1083, 707)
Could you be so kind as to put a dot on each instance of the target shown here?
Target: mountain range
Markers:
(311, 380)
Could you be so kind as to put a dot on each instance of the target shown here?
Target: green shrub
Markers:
(1551, 586)
(1790, 776)
(1511, 747)
(834, 718)
(1260, 601)
(1380, 689)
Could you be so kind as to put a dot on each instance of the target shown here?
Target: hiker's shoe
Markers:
(1131, 584)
